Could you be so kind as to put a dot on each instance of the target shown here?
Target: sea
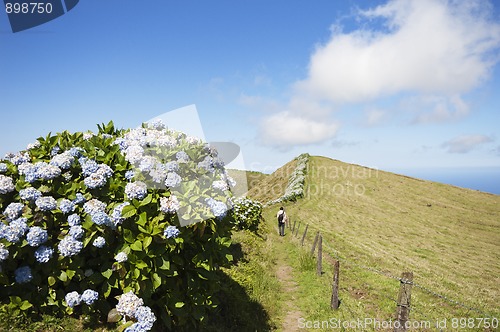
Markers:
(486, 179)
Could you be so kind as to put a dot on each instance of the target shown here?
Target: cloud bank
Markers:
(431, 51)
(466, 143)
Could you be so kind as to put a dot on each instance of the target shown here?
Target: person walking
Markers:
(282, 219)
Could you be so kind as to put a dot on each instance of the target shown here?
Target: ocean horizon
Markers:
(486, 179)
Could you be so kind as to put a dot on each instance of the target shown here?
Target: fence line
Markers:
(336, 255)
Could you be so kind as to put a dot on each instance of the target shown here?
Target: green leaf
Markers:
(63, 276)
(107, 274)
(136, 246)
(156, 281)
(51, 281)
(147, 241)
(129, 211)
(179, 304)
(113, 316)
(25, 305)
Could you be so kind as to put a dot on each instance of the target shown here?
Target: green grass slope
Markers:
(449, 237)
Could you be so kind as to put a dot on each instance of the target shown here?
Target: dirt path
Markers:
(284, 273)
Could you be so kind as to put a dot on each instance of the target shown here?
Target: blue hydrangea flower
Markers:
(66, 206)
(79, 198)
(18, 158)
(99, 242)
(55, 150)
(89, 296)
(76, 232)
(207, 164)
(36, 236)
(172, 166)
(46, 203)
(63, 160)
(6, 184)
(128, 304)
(4, 253)
(147, 163)
(170, 204)
(15, 230)
(136, 327)
(93, 206)
(3, 167)
(43, 254)
(136, 190)
(220, 185)
(46, 171)
(95, 180)
(88, 166)
(145, 317)
(173, 180)
(13, 211)
(121, 257)
(182, 157)
(73, 299)
(106, 136)
(23, 275)
(116, 215)
(69, 246)
(129, 175)
(29, 194)
(101, 218)
(74, 220)
(75, 152)
(218, 208)
(171, 232)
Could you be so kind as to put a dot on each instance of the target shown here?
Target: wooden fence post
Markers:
(314, 243)
(304, 236)
(297, 231)
(319, 267)
(334, 303)
(403, 308)
(293, 229)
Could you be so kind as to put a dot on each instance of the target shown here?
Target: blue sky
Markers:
(404, 84)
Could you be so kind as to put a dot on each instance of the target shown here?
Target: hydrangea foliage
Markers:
(89, 218)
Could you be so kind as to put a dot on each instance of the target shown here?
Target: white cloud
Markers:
(428, 46)
(466, 143)
(425, 56)
(286, 129)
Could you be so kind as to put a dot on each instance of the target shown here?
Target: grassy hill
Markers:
(372, 220)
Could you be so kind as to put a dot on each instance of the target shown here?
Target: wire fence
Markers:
(330, 253)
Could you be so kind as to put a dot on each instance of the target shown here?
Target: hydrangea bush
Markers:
(247, 213)
(295, 187)
(129, 224)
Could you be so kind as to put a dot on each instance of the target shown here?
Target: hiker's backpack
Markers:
(280, 217)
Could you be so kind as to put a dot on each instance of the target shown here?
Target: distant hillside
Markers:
(448, 236)
(273, 185)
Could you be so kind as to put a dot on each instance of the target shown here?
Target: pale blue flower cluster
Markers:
(220, 185)
(3, 167)
(69, 246)
(218, 208)
(55, 150)
(121, 257)
(169, 204)
(76, 232)
(13, 211)
(129, 175)
(93, 206)
(46, 203)
(89, 296)
(14, 231)
(136, 190)
(74, 219)
(182, 157)
(173, 180)
(36, 236)
(39, 171)
(6, 184)
(43, 254)
(66, 206)
(18, 158)
(75, 152)
(63, 160)
(34, 145)
(96, 175)
(79, 199)
(171, 232)
(145, 320)
(128, 304)
(23, 275)
(29, 194)
(4, 253)
(73, 299)
(99, 242)
(116, 215)
(102, 219)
